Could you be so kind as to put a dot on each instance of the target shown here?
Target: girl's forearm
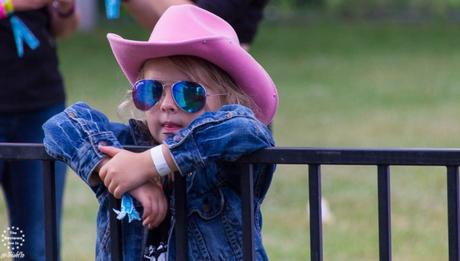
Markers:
(147, 12)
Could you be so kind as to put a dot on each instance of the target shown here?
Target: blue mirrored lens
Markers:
(146, 93)
(189, 96)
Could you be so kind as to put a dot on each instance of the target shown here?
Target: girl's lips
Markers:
(171, 127)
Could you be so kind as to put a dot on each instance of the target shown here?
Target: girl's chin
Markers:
(165, 135)
(169, 133)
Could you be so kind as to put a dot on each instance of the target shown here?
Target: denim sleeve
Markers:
(223, 135)
(73, 135)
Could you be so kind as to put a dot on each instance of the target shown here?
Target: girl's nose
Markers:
(167, 103)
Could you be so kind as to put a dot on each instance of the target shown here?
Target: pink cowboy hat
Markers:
(190, 30)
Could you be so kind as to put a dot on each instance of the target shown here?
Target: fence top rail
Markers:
(357, 156)
(23, 151)
(294, 155)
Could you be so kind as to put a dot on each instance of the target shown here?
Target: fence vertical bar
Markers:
(453, 212)
(384, 203)
(247, 198)
(115, 230)
(180, 194)
(316, 234)
(49, 196)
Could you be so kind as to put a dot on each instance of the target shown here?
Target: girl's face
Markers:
(166, 118)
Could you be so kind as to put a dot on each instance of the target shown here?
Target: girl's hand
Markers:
(24, 5)
(125, 170)
(154, 202)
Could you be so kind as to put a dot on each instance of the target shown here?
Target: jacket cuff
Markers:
(91, 156)
(185, 153)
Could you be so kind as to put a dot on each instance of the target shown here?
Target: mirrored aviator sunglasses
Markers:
(189, 96)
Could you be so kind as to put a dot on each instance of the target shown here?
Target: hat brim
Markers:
(247, 73)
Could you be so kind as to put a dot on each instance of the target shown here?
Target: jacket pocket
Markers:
(208, 205)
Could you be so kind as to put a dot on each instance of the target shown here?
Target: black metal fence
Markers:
(314, 158)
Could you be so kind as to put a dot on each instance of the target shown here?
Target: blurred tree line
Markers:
(374, 8)
(398, 10)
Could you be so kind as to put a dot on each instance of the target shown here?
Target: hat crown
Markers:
(190, 23)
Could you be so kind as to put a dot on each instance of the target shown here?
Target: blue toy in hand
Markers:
(127, 208)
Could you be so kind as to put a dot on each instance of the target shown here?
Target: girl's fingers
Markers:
(156, 210)
(103, 172)
(117, 192)
(151, 219)
(146, 222)
(107, 182)
(156, 215)
(147, 213)
(161, 211)
(164, 208)
(109, 150)
(111, 187)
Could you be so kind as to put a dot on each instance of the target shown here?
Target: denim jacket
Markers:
(203, 152)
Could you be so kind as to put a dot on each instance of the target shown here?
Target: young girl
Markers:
(195, 85)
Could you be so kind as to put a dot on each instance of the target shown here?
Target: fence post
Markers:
(316, 234)
(453, 212)
(180, 193)
(116, 247)
(49, 197)
(247, 198)
(384, 202)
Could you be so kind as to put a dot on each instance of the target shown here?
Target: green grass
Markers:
(362, 85)
(340, 84)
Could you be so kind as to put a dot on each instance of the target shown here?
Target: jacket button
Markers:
(206, 208)
(103, 143)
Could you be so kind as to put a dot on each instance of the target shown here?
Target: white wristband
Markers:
(159, 161)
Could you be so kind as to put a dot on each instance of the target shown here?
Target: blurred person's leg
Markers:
(3, 130)
(23, 184)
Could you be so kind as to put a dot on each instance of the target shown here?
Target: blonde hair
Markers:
(198, 70)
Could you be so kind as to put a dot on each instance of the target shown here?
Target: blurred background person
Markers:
(32, 90)
(243, 15)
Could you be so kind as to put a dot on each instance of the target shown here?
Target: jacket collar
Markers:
(141, 134)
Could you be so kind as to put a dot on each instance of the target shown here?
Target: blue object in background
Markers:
(112, 9)
(22, 34)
